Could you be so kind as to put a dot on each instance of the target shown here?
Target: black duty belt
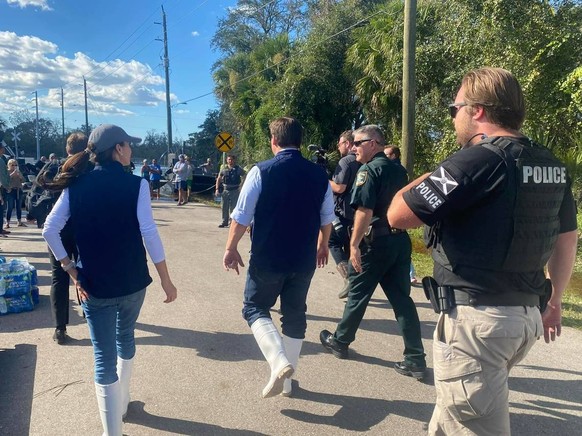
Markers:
(231, 188)
(383, 231)
(463, 298)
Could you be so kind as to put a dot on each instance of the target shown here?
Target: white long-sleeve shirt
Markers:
(61, 213)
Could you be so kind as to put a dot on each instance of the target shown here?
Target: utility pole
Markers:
(167, 72)
(36, 128)
(408, 86)
(63, 116)
(86, 112)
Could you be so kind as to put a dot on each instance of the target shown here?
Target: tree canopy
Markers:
(335, 65)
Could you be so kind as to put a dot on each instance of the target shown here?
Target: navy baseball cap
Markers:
(106, 136)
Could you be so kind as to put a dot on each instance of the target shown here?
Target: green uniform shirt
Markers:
(375, 185)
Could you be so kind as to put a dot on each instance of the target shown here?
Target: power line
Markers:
(293, 55)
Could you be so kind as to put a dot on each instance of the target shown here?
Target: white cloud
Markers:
(42, 4)
(195, 33)
(28, 63)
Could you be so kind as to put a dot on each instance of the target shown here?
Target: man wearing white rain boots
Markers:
(290, 201)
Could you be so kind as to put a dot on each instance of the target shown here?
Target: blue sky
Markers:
(49, 44)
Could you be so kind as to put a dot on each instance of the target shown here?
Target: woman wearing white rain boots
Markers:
(291, 203)
(112, 218)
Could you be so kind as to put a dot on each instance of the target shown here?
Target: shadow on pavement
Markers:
(356, 413)
(136, 414)
(228, 347)
(17, 370)
(565, 390)
(540, 423)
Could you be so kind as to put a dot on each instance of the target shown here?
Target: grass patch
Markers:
(571, 301)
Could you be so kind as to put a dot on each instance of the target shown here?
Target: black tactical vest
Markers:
(515, 228)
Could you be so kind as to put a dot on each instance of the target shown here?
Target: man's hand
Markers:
(322, 255)
(170, 290)
(356, 258)
(232, 260)
(552, 320)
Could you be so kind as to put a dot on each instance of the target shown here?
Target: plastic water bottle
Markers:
(218, 198)
(3, 306)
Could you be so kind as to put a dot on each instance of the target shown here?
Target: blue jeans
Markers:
(14, 198)
(261, 291)
(111, 326)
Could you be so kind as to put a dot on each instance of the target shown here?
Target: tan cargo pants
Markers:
(474, 348)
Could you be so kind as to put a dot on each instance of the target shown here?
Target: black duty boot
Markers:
(410, 369)
(60, 336)
(338, 349)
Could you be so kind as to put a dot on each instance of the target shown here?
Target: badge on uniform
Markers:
(361, 178)
(443, 181)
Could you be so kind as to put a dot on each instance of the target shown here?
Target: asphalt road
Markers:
(198, 370)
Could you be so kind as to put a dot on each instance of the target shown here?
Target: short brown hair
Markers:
(76, 143)
(394, 150)
(287, 132)
(348, 135)
(499, 93)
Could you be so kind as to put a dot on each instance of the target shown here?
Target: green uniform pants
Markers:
(386, 261)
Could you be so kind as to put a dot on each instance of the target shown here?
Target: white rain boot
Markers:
(269, 341)
(293, 350)
(108, 400)
(124, 370)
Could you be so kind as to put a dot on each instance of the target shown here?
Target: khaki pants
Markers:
(474, 349)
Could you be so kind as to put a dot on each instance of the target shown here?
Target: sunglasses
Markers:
(359, 143)
(454, 108)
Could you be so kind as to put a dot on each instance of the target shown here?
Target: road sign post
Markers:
(16, 138)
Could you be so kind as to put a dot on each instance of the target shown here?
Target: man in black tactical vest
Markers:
(231, 178)
(500, 209)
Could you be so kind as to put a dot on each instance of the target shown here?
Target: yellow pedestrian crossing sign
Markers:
(224, 142)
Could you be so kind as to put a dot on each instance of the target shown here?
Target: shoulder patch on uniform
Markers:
(443, 181)
(362, 178)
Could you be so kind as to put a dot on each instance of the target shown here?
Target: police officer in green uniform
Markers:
(379, 254)
(500, 209)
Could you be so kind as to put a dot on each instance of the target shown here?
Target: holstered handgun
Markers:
(368, 236)
(439, 296)
(430, 287)
(546, 296)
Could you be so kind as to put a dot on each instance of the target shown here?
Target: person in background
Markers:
(112, 216)
(181, 172)
(14, 193)
(4, 184)
(207, 167)
(155, 177)
(189, 178)
(231, 178)
(289, 201)
(393, 153)
(145, 170)
(342, 183)
(60, 281)
(40, 163)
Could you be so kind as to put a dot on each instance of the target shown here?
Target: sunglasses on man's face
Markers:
(360, 142)
(455, 107)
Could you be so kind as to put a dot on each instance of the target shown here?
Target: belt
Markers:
(383, 231)
(231, 188)
(463, 298)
